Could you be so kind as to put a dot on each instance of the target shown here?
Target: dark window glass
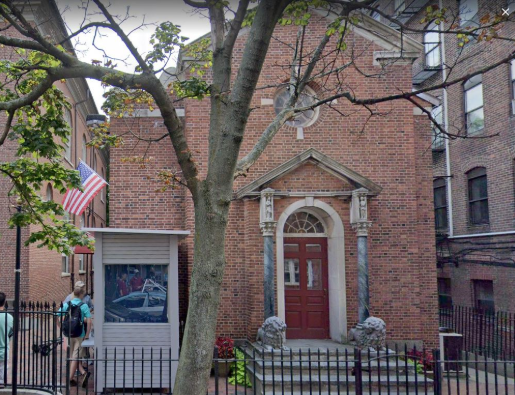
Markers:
(136, 293)
(440, 202)
(444, 293)
(484, 295)
(478, 196)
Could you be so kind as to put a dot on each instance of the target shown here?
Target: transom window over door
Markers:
(303, 222)
(478, 196)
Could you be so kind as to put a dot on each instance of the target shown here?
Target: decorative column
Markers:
(360, 223)
(267, 225)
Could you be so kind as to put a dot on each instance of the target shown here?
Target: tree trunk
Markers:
(206, 279)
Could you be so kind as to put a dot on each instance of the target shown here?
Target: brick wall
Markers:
(386, 150)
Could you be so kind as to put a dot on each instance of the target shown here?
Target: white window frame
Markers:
(470, 84)
(468, 9)
(65, 265)
(81, 264)
(84, 149)
(432, 48)
(400, 6)
(437, 138)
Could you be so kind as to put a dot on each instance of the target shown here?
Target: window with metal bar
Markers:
(474, 114)
(478, 196)
(438, 141)
(444, 293)
(484, 295)
(432, 46)
(440, 203)
(468, 10)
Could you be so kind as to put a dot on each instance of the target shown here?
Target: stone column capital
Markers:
(268, 228)
(362, 227)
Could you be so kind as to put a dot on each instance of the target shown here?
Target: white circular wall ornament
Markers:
(306, 98)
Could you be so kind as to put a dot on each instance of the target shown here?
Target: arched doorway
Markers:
(306, 296)
(315, 226)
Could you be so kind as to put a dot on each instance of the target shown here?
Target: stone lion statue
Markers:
(371, 333)
(272, 334)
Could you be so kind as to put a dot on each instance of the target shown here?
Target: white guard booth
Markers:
(136, 320)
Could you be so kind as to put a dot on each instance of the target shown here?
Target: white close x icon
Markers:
(506, 11)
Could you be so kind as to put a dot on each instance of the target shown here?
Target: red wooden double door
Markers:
(306, 288)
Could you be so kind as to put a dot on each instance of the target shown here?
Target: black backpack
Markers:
(73, 325)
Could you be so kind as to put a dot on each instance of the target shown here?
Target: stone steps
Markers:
(332, 372)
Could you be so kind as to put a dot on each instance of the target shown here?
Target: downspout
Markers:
(448, 175)
(75, 137)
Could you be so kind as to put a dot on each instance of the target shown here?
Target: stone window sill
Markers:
(82, 272)
(65, 274)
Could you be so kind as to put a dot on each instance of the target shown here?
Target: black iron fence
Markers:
(44, 364)
(488, 333)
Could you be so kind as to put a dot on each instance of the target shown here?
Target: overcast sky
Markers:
(193, 25)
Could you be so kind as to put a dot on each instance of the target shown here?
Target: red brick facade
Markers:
(42, 277)
(462, 257)
(389, 153)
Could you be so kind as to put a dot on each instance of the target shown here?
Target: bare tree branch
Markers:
(128, 43)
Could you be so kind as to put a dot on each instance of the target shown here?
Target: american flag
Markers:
(75, 201)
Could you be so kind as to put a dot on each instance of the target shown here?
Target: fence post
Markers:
(358, 371)
(54, 348)
(215, 360)
(437, 379)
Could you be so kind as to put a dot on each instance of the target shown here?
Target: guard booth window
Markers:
(136, 293)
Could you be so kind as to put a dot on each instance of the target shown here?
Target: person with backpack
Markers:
(76, 325)
(6, 332)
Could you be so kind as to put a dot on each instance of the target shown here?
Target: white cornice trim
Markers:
(324, 162)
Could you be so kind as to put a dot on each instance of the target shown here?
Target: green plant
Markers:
(239, 372)
(419, 366)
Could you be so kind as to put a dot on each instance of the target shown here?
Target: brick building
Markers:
(46, 275)
(305, 181)
(474, 178)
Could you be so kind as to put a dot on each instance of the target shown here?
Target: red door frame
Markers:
(303, 305)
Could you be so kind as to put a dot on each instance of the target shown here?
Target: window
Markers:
(475, 117)
(66, 217)
(65, 264)
(478, 196)
(399, 5)
(68, 145)
(49, 193)
(136, 293)
(306, 98)
(82, 222)
(84, 150)
(102, 190)
(513, 82)
(81, 263)
(303, 222)
(440, 202)
(444, 293)
(468, 10)
(432, 46)
(484, 295)
(438, 142)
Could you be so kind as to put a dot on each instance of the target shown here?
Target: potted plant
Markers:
(224, 355)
